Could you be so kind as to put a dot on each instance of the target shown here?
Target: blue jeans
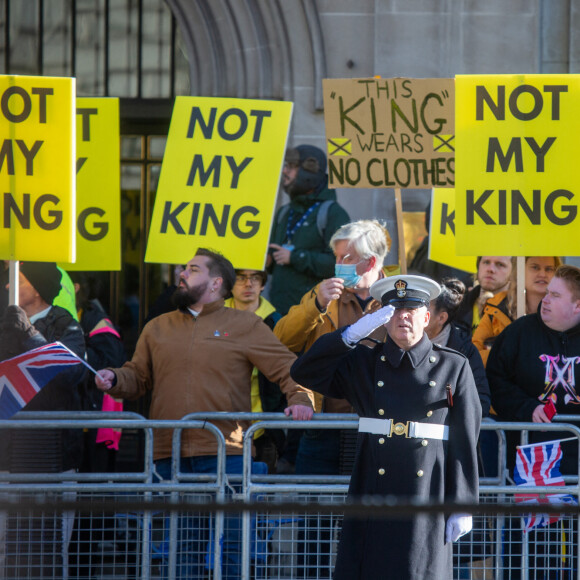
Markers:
(193, 534)
(318, 452)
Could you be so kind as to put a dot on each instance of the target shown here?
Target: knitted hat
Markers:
(44, 277)
(311, 162)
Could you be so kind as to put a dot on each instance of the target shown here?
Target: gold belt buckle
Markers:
(400, 429)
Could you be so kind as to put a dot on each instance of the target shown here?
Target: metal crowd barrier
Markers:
(131, 525)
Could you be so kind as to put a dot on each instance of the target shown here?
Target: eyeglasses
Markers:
(253, 278)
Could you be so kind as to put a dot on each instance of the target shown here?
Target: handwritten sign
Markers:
(390, 132)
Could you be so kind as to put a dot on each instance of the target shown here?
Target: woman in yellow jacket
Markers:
(500, 310)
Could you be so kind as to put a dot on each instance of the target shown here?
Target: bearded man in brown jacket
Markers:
(200, 358)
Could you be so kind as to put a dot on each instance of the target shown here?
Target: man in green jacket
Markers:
(300, 256)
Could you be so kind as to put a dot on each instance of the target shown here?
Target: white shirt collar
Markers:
(39, 315)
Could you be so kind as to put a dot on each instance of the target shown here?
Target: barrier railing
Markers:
(295, 541)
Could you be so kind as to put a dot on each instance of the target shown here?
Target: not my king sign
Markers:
(517, 166)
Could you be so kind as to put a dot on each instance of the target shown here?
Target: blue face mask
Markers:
(348, 274)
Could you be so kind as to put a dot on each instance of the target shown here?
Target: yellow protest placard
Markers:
(219, 180)
(442, 232)
(517, 169)
(37, 168)
(390, 132)
(98, 169)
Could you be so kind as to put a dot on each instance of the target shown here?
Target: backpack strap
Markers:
(322, 216)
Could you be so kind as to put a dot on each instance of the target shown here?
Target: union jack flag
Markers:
(22, 376)
(539, 465)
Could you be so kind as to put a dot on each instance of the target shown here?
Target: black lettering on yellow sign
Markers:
(7, 155)
(240, 229)
(24, 214)
(215, 168)
(16, 104)
(232, 123)
(447, 220)
(86, 122)
(514, 151)
(80, 163)
(402, 172)
(510, 204)
(497, 106)
(102, 228)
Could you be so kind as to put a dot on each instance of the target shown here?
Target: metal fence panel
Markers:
(117, 542)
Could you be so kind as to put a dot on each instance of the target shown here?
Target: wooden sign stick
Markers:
(400, 230)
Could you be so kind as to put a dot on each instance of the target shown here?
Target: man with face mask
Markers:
(419, 421)
(360, 249)
(299, 253)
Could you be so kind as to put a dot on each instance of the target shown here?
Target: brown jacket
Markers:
(304, 324)
(205, 364)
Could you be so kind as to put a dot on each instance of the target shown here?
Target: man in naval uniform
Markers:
(418, 428)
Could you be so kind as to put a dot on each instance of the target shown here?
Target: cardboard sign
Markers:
(518, 174)
(98, 186)
(219, 180)
(390, 132)
(37, 168)
(442, 232)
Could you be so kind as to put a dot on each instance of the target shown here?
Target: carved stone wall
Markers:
(282, 49)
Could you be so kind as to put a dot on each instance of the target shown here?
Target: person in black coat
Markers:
(419, 421)
(442, 330)
(38, 546)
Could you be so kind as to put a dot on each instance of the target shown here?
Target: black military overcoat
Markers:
(386, 382)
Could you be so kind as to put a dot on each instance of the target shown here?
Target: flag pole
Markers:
(400, 230)
(81, 359)
(546, 442)
(13, 280)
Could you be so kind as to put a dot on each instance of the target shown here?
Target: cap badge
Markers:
(401, 287)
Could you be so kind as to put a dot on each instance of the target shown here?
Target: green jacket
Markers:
(312, 259)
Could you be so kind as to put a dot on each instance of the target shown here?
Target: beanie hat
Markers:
(311, 163)
(44, 277)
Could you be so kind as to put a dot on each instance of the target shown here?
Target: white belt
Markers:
(410, 429)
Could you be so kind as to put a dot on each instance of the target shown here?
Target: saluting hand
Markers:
(367, 324)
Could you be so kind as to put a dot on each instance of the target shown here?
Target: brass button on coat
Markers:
(383, 358)
(432, 384)
(420, 473)
(381, 440)
(380, 384)
(381, 471)
(424, 442)
(429, 413)
(432, 359)
(381, 411)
